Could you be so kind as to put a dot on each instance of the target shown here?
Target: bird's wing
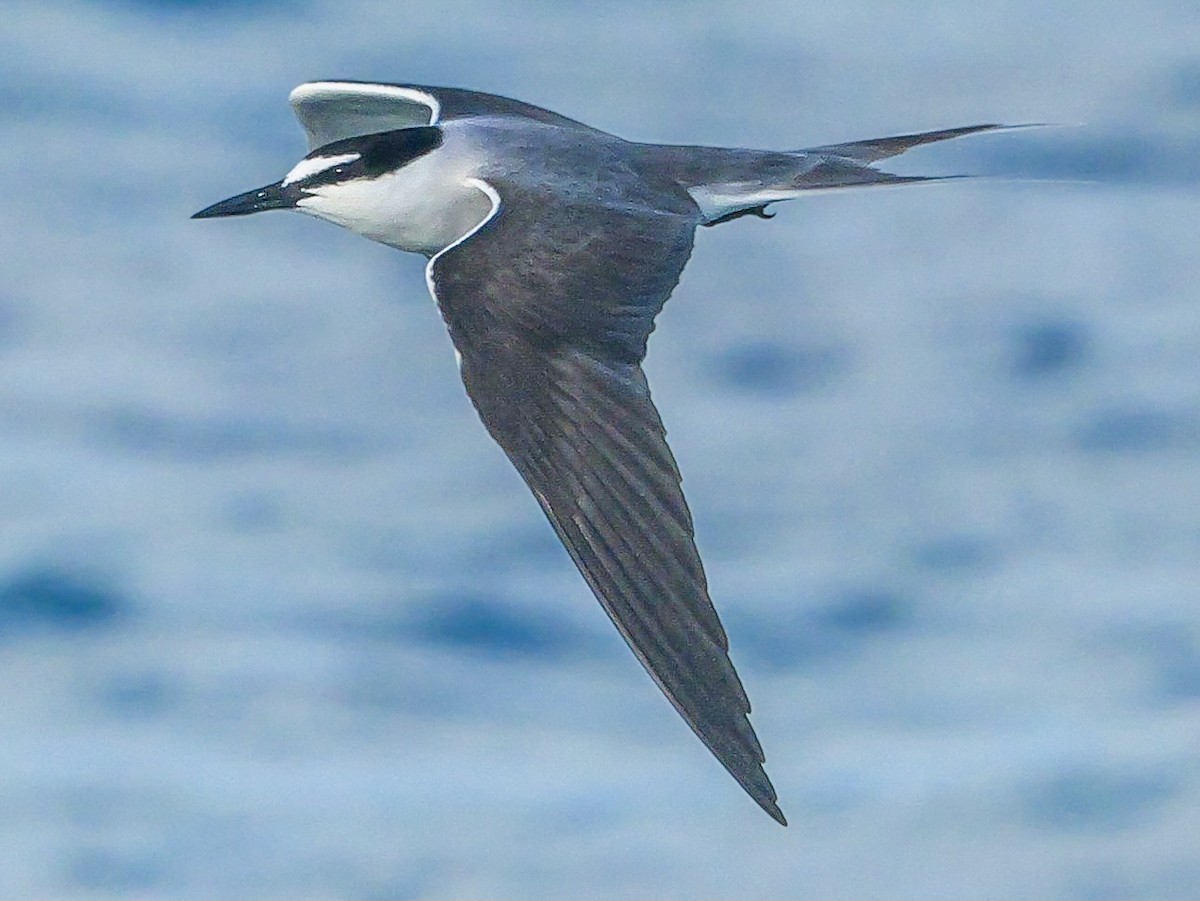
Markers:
(550, 305)
(333, 110)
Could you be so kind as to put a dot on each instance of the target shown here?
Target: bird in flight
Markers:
(552, 246)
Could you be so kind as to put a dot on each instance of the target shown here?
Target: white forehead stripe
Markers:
(313, 165)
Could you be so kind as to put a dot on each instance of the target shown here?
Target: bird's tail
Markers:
(727, 184)
(876, 149)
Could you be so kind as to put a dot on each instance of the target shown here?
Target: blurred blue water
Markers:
(54, 600)
(277, 618)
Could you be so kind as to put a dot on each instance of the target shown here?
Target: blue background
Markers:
(276, 618)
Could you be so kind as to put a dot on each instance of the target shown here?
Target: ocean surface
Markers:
(278, 619)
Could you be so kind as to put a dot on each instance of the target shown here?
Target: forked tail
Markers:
(877, 149)
(728, 184)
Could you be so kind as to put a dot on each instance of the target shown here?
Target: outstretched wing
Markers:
(332, 110)
(550, 306)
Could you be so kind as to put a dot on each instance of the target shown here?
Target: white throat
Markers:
(422, 207)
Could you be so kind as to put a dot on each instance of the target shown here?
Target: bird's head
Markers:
(339, 181)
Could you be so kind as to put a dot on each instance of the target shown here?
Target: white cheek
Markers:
(357, 205)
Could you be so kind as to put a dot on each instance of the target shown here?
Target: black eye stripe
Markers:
(378, 154)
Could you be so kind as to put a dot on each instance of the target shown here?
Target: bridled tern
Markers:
(552, 246)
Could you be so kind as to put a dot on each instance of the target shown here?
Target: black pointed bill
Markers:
(271, 197)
